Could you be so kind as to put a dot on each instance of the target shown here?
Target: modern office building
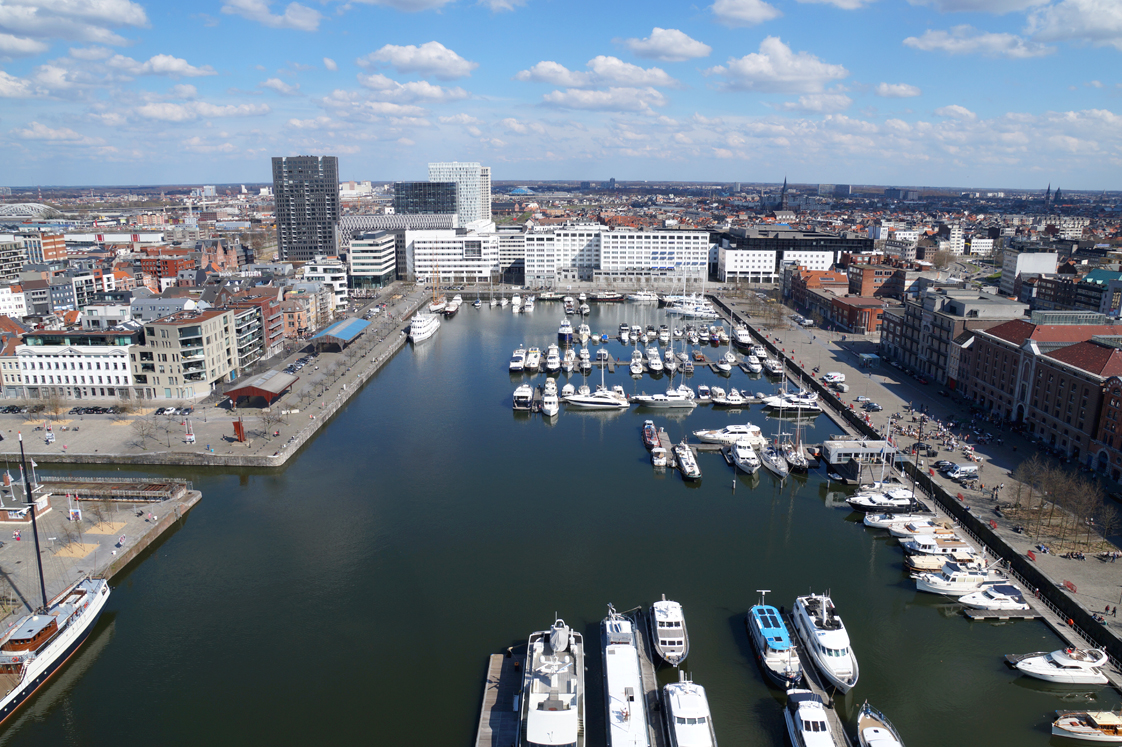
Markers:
(473, 188)
(424, 198)
(372, 260)
(306, 194)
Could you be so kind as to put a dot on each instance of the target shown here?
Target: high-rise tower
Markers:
(473, 188)
(306, 193)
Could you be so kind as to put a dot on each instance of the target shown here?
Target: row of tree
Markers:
(1060, 504)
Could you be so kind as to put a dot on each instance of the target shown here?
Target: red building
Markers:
(162, 262)
(858, 314)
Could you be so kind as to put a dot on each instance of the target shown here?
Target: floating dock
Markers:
(665, 442)
(813, 682)
(1001, 614)
(498, 719)
(650, 681)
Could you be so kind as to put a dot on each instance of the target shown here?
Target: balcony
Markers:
(200, 376)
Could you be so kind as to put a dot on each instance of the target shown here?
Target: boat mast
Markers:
(34, 525)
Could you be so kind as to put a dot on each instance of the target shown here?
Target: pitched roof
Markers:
(1018, 330)
(9, 325)
(1101, 360)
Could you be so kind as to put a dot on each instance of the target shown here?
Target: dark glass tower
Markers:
(424, 198)
(306, 193)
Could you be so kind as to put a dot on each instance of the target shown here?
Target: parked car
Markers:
(863, 398)
(944, 393)
(187, 411)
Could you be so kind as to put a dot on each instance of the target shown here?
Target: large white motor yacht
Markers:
(654, 360)
(890, 518)
(743, 457)
(423, 326)
(997, 598)
(1067, 666)
(730, 434)
(533, 359)
(623, 683)
(523, 397)
(668, 631)
(687, 462)
(760, 352)
(552, 706)
(807, 722)
(742, 338)
(953, 580)
(774, 367)
(912, 528)
(518, 360)
(926, 544)
(552, 359)
(774, 648)
(674, 399)
(688, 721)
(800, 401)
(822, 631)
(896, 499)
(643, 297)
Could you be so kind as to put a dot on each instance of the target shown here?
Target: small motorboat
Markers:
(1066, 666)
(650, 434)
(658, 457)
(999, 598)
(874, 730)
(668, 631)
(1104, 727)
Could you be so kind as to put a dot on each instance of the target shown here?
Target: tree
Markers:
(144, 428)
(942, 259)
(269, 419)
(55, 402)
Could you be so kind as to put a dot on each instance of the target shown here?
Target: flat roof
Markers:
(345, 329)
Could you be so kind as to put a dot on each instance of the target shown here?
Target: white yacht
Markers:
(551, 405)
(692, 336)
(807, 722)
(584, 332)
(926, 544)
(663, 334)
(569, 360)
(585, 309)
(688, 721)
(674, 399)
(518, 360)
(568, 390)
(874, 730)
(998, 598)
(637, 367)
(822, 631)
(774, 367)
(897, 499)
(635, 333)
(668, 631)
(890, 518)
(753, 365)
(954, 581)
(772, 458)
(687, 462)
(423, 326)
(760, 352)
(927, 526)
(533, 359)
(775, 650)
(516, 303)
(654, 360)
(743, 457)
(528, 304)
(723, 366)
(552, 703)
(742, 338)
(1104, 727)
(1067, 666)
(730, 434)
(601, 399)
(624, 332)
(582, 297)
(565, 331)
(552, 359)
(523, 397)
(623, 682)
(504, 302)
(585, 360)
(733, 399)
(643, 297)
(658, 457)
(602, 356)
(807, 401)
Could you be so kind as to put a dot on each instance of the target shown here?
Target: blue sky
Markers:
(984, 93)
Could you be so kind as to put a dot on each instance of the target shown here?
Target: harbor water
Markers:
(356, 594)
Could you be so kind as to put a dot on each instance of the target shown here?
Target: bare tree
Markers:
(54, 402)
(144, 428)
(269, 419)
(942, 259)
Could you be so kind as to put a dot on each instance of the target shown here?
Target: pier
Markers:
(1001, 614)
(665, 442)
(812, 680)
(651, 694)
(498, 718)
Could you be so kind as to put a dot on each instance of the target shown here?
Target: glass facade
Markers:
(424, 198)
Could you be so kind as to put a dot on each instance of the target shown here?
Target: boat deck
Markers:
(813, 681)
(498, 719)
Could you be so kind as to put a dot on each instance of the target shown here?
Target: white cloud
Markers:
(968, 40)
(897, 90)
(409, 6)
(84, 20)
(197, 145)
(611, 100)
(431, 58)
(191, 110)
(296, 16)
(1098, 22)
(183, 91)
(603, 71)
(36, 131)
(311, 124)
(460, 119)
(12, 87)
(775, 68)
(91, 54)
(330, 64)
(743, 12)
(355, 106)
(818, 103)
(979, 6)
(161, 64)
(668, 45)
(418, 90)
(522, 128)
(499, 6)
(15, 46)
(843, 4)
(1095, 84)
(954, 111)
(281, 87)
(405, 141)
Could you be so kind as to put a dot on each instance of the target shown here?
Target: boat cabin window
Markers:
(814, 726)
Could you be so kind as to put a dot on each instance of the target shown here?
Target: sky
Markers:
(968, 93)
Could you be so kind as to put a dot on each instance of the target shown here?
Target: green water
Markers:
(355, 595)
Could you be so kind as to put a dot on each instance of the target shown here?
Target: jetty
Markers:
(650, 681)
(1001, 614)
(665, 442)
(813, 682)
(498, 717)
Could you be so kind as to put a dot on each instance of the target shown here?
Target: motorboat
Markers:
(602, 356)
(626, 712)
(423, 326)
(533, 359)
(723, 366)
(682, 390)
(568, 390)
(775, 650)
(772, 458)
(518, 360)
(643, 297)
(569, 360)
(624, 332)
(760, 352)
(874, 730)
(528, 305)
(477, 303)
(753, 366)
(743, 457)
(584, 359)
(551, 405)
(453, 306)
(552, 359)
(703, 391)
(997, 598)
(932, 563)
(716, 392)
(807, 401)
(954, 581)
(552, 702)
(658, 457)
(715, 335)
(637, 368)
(650, 434)
(668, 631)
(742, 337)
(688, 720)
(663, 334)
(582, 297)
(516, 303)
(733, 399)
(584, 332)
(722, 335)
(926, 544)
(687, 368)
(808, 724)
(524, 397)
(570, 305)
(585, 309)
(687, 462)
(730, 434)
(773, 367)
(601, 399)
(635, 333)
(1066, 666)
(504, 302)
(896, 499)
(1104, 727)
(888, 519)
(674, 399)
(692, 337)
(654, 360)
(927, 526)
(565, 331)
(823, 633)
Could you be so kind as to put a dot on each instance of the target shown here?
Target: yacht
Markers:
(730, 434)
(528, 304)
(582, 297)
(760, 352)
(723, 366)
(585, 359)
(533, 359)
(774, 367)
(874, 730)
(932, 563)
(654, 360)
(623, 682)
(926, 544)
(552, 359)
(663, 334)
(772, 458)
(569, 360)
(601, 399)
(999, 597)
(670, 362)
(1104, 727)
(570, 306)
(823, 633)
(954, 581)
(897, 499)
(753, 365)
(516, 303)
(602, 356)
(584, 332)
(524, 397)
(794, 401)
(568, 390)
(453, 306)
(733, 399)
(1067, 666)
(742, 338)
(423, 326)
(668, 631)
(692, 337)
(552, 702)
(643, 297)
(503, 302)
(518, 360)
(687, 368)
(585, 309)
(742, 457)
(808, 725)
(551, 405)
(688, 720)
(687, 462)
(635, 332)
(565, 331)
(636, 367)
(658, 457)
(774, 648)
(889, 519)
(624, 332)
(674, 399)
(926, 526)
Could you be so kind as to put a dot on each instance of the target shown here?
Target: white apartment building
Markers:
(1015, 263)
(512, 249)
(473, 188)
(1070, 226)
(450, 256)
(952, 239)
(331, 272)
(372, 261)
(13, 302)
(981, 246)
(587, 251)
(77, 365)
(751, 266)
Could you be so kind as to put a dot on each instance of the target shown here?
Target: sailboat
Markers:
(39, 644)
(792, 451)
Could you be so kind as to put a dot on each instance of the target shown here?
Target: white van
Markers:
(833, 378)
(963, 472)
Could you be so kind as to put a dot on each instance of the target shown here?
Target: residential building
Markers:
(76, 364)
(813, 291)
(858, 315)
(9, 366)
(249, 338)
(13, 255)
(372, 260)
(424, 198)
(512, 253)
(270, 319)
(165, 262)
(1108, 440)
(320, 299)
(755, 254)
(306, 196)
(473, 188)
(295, 312)
(1067, 394)
(331, 272)
(1015, 262)
(147, 309)
(103, 316)
(185, 355)
(951, 238)
(13, 301)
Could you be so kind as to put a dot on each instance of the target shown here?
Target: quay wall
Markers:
(121, 561)
(1036, 581)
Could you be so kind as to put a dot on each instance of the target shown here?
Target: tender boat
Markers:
(743, 457)
(1104, 727)
(533, 359)
(518, 360)
(523, 397)
(874, 730)
(552, 703)
(998, 598)
(687, 463)
(953, 580)
(625, 706)
(807, 722)
(774, 648)
(688, 721)
(823, 633)
(423, 326)
(1066, 666)
(772, 458)
(668, 631)
(565, 331)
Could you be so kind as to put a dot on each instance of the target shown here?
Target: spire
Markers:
(1048, 194)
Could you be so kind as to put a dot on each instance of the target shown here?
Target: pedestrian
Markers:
(1114, 612)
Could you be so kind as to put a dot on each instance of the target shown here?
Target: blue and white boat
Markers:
(775, 650)
(565, 331)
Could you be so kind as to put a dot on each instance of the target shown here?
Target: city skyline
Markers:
(997, 93)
